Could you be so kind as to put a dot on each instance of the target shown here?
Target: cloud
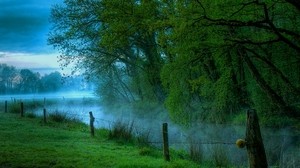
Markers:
(24, 25)
(25, 60)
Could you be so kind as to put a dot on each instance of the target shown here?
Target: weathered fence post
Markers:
(22, 109)
(5, 106)
(255, 147)
(45, 117)
(165, 142)
(92, 119)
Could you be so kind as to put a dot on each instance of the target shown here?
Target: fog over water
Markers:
(282, 144)
(55, 95)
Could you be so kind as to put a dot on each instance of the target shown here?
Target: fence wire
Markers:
(109, 124)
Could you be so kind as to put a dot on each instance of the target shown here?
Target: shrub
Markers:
(122, 131)
(58, 117)
(31, 115)
(144, 151)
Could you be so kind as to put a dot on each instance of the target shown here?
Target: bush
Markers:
(58, 117)
(31, 115)
(122, 131)
(144, 151)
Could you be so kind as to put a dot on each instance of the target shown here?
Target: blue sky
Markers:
(24, 26)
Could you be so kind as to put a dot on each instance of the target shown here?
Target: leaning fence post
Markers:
(255, 147)
(92, 119)
(22, 109)
(165, 142)
(5, 107)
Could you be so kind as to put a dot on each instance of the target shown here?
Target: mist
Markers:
(282, 145)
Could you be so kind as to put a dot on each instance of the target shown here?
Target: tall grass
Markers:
(196, 153)
(122, 131)
(219, 157)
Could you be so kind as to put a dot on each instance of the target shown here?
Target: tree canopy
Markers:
(203, 59)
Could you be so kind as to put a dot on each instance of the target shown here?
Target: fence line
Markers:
(99, 120)
(253, 140)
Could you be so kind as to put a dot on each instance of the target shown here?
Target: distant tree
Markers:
(8, 75)
(51, 82)
(29, 82)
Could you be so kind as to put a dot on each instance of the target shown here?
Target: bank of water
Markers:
(211, 141)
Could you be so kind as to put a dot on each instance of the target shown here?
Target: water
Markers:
(55, 95)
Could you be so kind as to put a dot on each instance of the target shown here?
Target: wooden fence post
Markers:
(5, 107)
(45, 117)
(165, 142)
(255, 147)
(22, 109)
(92, 119)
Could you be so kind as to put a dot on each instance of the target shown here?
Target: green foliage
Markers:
(145, 151)
(58, 117)
(31, 115)
(205, 60)
(219, 157)
(122, 131)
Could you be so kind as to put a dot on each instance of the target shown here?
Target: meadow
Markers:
(28, 142)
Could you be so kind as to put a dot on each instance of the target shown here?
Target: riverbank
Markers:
(28, 142)
(210, 145)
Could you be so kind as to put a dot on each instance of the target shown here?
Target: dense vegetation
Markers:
(24, 81)
(206, 60)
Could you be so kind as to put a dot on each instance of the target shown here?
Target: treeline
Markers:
(205, 60)
(22, 81)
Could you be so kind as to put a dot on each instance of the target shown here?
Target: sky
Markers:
(24, 28)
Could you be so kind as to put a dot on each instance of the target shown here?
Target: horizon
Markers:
(24, 35)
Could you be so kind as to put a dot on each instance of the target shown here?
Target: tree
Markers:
(206, 60)
(105, 36)
(234, 44)
(29, 81)
(8, 75)
(51, 82)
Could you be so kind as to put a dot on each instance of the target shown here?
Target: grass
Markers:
(28, 142)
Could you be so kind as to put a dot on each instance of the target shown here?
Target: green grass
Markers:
(28, 142)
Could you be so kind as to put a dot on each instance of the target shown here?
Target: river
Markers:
(213, 141)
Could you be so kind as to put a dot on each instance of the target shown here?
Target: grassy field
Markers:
(28, 142)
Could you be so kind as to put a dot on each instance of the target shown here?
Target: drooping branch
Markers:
(265, 23)
(271, 93)
(275, 70)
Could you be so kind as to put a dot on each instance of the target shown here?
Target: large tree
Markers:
(109, 37)
(213, 58)
(238, 54)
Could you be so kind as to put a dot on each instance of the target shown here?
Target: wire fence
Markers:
(176, 138)
(181, 139)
